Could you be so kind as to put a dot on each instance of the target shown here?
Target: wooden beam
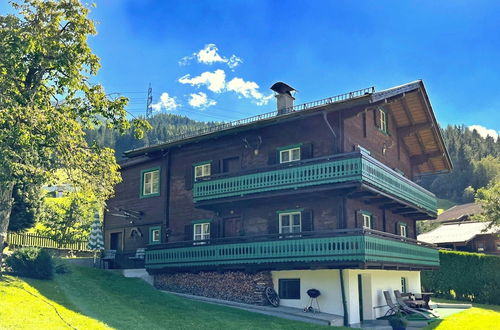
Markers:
(420, 159)
(412, 129)
(377, 200)
(360, 194)
(404, 105)
(389, 206)
(403, 210)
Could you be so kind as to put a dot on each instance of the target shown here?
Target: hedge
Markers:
(466, 276)
(31, 262)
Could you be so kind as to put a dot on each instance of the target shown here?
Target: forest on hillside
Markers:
(476, 160)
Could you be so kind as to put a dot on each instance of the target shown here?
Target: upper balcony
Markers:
(348, 248)
(357, 168)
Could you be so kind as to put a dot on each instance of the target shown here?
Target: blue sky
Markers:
(322, 48)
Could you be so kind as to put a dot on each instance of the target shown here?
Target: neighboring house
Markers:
(58, 190)
(319, 195)
(459, 232)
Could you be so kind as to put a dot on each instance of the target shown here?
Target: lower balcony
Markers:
(353, 248)
(354, 168)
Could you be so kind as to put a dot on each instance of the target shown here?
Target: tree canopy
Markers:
(48, 100)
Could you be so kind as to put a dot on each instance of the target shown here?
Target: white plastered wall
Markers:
(374, 282)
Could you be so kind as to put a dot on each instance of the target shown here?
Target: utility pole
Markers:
(149, 109)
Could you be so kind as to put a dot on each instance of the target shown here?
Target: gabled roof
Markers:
(457, 232)
(459, 212)
(409, 107)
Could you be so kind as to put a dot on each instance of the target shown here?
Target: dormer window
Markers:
(202, 170)
(382, 120)
(290, 155)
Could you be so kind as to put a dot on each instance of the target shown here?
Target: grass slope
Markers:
(480, 316)
(96, 299)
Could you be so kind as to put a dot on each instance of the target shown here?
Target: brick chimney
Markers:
(284, 98)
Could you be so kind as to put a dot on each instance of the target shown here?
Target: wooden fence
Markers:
(24, 240)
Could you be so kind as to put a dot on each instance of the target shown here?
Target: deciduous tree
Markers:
(47, 100)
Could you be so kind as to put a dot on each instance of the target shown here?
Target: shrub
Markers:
(31, 262)
(465, 276)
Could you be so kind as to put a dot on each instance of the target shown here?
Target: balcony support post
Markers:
(344, 301)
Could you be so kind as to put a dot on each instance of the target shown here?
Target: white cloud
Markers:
(210, 55)
(484, 132)
(166, 102)
(215, 81)
(248, 89)
(200, 100)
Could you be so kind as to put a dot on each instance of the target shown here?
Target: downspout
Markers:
(344, 301)
(327, 122)
(167, 190)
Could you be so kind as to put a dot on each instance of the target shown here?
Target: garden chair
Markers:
(410, 310)
(393, 308)
(140, 254)
(108, 258)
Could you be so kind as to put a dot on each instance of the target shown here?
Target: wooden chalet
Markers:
(318, 195)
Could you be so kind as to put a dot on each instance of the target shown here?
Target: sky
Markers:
(215, 60)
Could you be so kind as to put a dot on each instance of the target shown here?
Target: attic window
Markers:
(150, 182)
(289, 153)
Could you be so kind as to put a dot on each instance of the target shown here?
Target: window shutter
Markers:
(359, 219)
(375, 117)
(214, 229)
(188, 232)
(273, 157)
(189, 178)
(306, 151)
(272, 225)
(375, 222)
(215, 167)
(307, 220)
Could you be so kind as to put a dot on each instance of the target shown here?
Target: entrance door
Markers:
(115, 241)
(232, 227)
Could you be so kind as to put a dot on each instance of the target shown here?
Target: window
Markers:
(154, 235)
(367, 220)
(202, 170)
(402, 230)
(290, 155)
(480, 246)
(150, 182)
(498, 246)
(382, 120)
(404, 287)
(290, 222)
(201, 231)
(289, 288)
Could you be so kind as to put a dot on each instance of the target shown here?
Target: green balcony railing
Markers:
(356, 246)
(351, 167)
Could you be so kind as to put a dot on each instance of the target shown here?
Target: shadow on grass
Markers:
(126, 303)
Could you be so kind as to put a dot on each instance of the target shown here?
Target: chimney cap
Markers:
(282, 88)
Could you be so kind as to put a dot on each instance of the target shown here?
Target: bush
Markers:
(465, 276)
(31, 262)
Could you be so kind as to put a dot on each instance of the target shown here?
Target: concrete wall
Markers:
(374, 282)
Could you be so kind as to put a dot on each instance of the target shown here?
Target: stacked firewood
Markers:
(233, 286)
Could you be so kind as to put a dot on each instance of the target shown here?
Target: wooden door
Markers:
(232, 227)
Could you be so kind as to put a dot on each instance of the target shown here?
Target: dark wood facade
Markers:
(324, 131)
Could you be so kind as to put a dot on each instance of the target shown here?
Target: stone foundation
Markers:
(234, 286)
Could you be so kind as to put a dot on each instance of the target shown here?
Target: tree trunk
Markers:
(5, 209)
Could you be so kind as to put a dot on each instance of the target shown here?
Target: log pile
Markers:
(233, 286)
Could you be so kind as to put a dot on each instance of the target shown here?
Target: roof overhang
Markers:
(411, 111)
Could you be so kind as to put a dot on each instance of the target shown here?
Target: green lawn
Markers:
(96, 299)
(480, 316)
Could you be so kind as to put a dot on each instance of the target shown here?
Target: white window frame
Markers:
(290, 225)
(206, 170)
(204, 234)
(367, 218)
(151, 183)
(289, 152)
(155, 233)
(382, 120)
(403, 231)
